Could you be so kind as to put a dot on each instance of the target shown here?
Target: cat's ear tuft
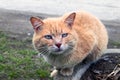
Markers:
(70, 19)
(36, 23)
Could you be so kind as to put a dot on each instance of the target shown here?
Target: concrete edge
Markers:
(112, 51)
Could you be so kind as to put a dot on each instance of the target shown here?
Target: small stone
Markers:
(28, 34)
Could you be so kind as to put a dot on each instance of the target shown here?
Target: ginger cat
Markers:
(66, 41)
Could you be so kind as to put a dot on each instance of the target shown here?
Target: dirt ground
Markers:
(16, 23)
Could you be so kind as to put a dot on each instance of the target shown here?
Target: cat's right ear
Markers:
(37, 23)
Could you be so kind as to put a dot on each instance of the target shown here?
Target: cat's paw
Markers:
(54, 73)
(66, 71)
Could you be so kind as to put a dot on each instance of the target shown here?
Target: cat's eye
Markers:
(48, 36)
(64, 35)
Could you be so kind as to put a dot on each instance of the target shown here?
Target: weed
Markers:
(18, 60)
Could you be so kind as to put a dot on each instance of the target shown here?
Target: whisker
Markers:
(72, 47)
(44, 51)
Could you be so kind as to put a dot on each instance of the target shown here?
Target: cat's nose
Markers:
(58, 45)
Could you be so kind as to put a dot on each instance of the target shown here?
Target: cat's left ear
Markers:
(36, 23)
(70, 19)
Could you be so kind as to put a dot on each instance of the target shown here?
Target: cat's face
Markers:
(54, 36)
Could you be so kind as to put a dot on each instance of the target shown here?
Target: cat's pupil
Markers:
(64, 35)
(48, 36)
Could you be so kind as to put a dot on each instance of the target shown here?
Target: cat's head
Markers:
(54, 35)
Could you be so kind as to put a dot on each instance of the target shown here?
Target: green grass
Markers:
(114, 44)
(19, 61)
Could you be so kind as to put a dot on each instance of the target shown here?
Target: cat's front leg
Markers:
(66, 71)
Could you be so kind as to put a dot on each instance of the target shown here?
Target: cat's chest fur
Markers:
(59, 61)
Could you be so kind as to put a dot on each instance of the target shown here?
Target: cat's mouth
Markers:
(58, 51)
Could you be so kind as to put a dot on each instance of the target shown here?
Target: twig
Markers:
(115, 71)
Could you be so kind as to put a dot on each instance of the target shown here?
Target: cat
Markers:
(67, 40)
